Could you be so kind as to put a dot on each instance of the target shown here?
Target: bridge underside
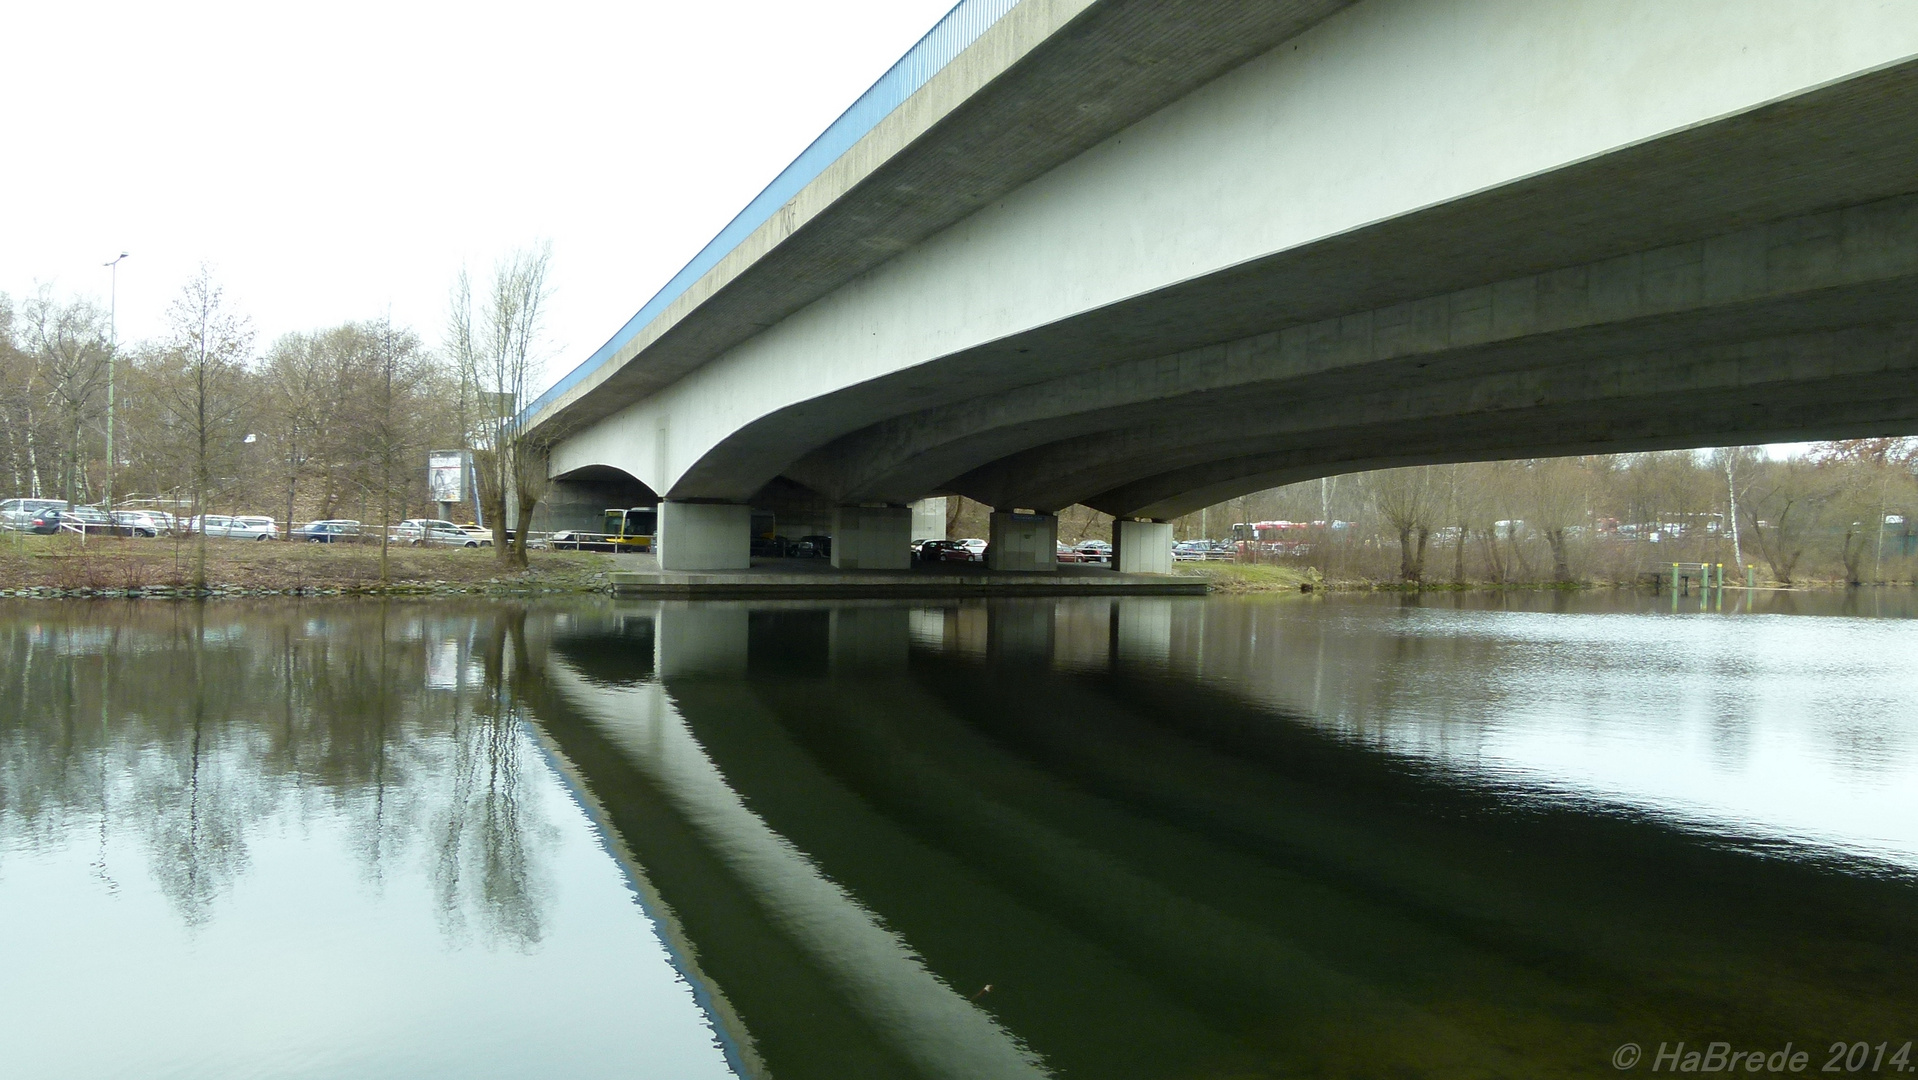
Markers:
(1749, 281)
(1752, 277)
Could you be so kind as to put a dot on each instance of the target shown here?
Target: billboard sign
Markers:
(446, 475)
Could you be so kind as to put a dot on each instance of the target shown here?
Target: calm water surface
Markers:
(1367, 836)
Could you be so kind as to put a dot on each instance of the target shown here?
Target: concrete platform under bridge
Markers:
(641, 576)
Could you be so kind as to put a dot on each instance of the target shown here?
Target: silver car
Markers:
(434, 531)
(141, 522)
(243, 527)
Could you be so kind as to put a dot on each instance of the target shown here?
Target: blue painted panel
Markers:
(961, 26)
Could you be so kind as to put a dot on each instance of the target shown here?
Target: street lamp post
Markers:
(113, 359)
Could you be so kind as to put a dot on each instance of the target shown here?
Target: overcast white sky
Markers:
(334, 161)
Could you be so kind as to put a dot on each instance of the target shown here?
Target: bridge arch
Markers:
(579, 497)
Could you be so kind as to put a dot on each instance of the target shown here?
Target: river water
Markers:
(1459, 836)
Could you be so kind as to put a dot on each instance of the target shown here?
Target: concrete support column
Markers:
(1142, 547)
(872, 538)
(704, 536)
(1022, 541)
(929, 519)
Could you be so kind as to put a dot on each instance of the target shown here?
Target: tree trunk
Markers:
(1561, 567)
(1411, 554)
(386, 534)
(527, 501)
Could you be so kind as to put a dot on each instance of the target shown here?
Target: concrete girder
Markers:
(1832, 381)
(1840, 267)
(1049, 81)
(1359, 169)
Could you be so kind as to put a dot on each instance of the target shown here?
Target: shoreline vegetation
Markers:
(1265, 578)
(63, 567)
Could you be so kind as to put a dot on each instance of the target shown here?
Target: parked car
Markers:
(433, 531)
(1067, 553)
(769, 547)
(811, 547)
(1094, 551)
(19, 513)
(1203, 551)
(73, 518)
(141, 522)
(234, 527)
(928, 550)
(971, 550)
(330, 531)
(479, 532)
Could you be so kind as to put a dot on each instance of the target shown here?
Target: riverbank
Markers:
(1227, 577)
(55, 566)
(1262, 577)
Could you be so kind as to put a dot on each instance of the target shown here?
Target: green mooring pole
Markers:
(1674, 579)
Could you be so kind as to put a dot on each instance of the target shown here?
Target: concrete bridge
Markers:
(1148, 255)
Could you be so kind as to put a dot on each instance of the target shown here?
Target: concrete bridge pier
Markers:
(872, 538)
(1022, 540)
(1142, 547)
(704, 536)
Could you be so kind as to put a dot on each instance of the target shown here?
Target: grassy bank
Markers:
(63, 566)
(1248, 577)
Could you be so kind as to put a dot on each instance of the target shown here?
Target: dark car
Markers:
(326, 532)
(91, 518)
(19, 513)
(928, 550)
(971, 550)
(811, 547)
(770, 547)
(1094, 551)
(46, 520)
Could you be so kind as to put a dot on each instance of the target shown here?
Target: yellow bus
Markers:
(632, 530)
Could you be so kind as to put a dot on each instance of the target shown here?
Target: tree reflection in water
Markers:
(189, 729)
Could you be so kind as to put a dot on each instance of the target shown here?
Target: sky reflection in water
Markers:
(1474, 835)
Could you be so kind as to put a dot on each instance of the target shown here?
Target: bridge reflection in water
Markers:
(1034, 838)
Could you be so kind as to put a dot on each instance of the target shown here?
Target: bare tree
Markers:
(498, 352)
(1407, 499)
(1557, 493)
(390, 425)
(297, 407)
(1782, 513)
(210, 343)
(69, 343)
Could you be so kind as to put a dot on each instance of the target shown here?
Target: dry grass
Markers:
(107, 565)
(1238, 577)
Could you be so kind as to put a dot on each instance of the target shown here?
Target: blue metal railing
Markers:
(961, 26)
